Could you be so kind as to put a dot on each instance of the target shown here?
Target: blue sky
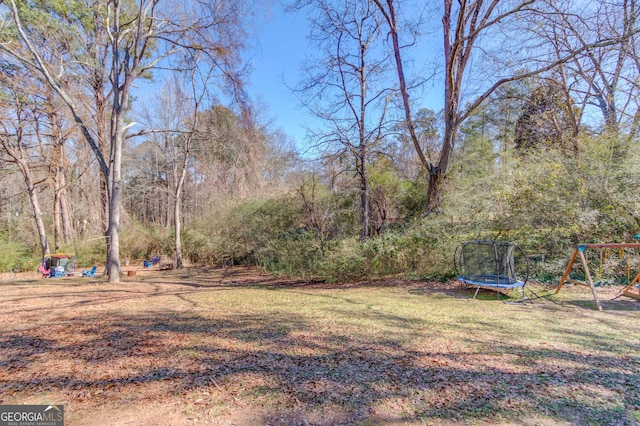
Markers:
(280, 49)
(276, 59)
(277, 50)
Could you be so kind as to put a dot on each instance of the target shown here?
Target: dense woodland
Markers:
(536, 141)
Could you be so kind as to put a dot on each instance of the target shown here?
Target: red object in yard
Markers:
(44, 272)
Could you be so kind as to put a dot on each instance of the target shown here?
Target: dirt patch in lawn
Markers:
(238, 347)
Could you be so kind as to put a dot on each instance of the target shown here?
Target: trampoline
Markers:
(493, 265)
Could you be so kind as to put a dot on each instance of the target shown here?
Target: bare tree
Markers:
(38, 141)
(18, 142)
(465, 24)
(134, 39)
(188, 101)
(604, 76)
(350, 80)
(52, 132)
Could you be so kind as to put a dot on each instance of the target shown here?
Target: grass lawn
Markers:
(209, 346)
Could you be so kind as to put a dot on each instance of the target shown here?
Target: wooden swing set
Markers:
(628, 290)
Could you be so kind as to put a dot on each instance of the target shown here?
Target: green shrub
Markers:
(138, 243)
(295, 252)
(546, 202)
(87, 252)
(15, 255)
(240, 230)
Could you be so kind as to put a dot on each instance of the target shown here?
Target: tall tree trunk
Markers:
(390, 16)
(164, 200)
(104, 187)
(102, 135)
(105, 215)
(57, 232)
(437, 174)
(35, 205)
(177, 217)
(68, 232)
(103, 144)
(364, 196)
(57, 188)
(113, 254)
(179, 178)
(58, 167)
(14, 148)
(63, 230)
(454, 66)
(471, 19)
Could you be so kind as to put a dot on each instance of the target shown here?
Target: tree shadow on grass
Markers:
(282, 367)
(619, 305)
(287, 368)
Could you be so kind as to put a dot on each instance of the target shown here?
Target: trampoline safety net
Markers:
(490, 263)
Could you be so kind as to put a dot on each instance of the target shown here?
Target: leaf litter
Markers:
(214, 346)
